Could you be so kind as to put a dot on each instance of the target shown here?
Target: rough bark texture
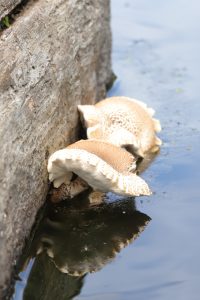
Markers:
(56, 55)
(6, 6)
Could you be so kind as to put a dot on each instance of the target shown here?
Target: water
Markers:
(156, 58)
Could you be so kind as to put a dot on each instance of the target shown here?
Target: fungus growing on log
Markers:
(104, 166)
(122, 121)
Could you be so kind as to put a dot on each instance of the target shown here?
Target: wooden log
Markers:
(55, 56)
(6, 6)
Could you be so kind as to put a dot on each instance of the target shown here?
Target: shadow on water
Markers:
(74, 239)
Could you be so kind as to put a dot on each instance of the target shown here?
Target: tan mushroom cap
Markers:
(104, 166)
(122, 121)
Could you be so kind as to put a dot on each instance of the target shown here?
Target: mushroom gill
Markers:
(104, 166)
(123, 121)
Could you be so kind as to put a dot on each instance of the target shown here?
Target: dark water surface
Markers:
(156, 57)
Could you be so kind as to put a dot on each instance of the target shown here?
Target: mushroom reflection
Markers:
(82, 239)
(45, 281)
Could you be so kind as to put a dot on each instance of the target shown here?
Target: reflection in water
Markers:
(47, 282)
(84, 240)
(77, 238)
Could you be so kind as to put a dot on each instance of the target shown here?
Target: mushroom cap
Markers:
(124, 122)
(104, 166)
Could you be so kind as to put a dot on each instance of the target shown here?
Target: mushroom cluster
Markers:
(119, 131)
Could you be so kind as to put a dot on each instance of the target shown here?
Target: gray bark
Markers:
(6, 6)
(55, 56)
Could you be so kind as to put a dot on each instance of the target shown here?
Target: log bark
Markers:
(55, 56)
(6, 6)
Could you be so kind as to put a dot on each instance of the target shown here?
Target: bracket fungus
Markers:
(122, 121)
(104, 166)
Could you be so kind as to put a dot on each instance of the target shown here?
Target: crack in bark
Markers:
(7, 20)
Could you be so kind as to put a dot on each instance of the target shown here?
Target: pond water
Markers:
(148, 247)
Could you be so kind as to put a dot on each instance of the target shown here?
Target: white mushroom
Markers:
(124, 122)
(104, 166)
